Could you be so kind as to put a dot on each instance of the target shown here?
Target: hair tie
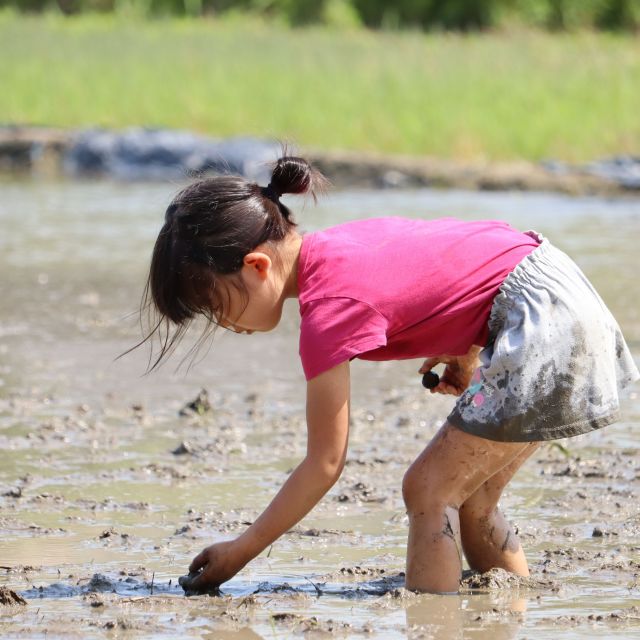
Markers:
(272, 193)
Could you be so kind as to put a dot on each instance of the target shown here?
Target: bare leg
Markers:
(487, 538)
(452, 467)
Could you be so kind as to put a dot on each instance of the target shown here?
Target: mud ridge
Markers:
(160, 154)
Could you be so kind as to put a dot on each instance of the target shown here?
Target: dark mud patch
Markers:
(123, 585)
(322, 586)
(9, 598)
(199, 406)
(141, 584)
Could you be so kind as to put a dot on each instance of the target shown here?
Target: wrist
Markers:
(246, 547)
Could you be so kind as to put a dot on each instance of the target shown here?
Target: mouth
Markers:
(246, 332)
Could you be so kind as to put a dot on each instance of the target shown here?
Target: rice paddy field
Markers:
(110, 483)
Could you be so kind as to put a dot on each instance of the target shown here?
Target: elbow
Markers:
(328, 471)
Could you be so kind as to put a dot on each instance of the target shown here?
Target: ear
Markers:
(258, 264)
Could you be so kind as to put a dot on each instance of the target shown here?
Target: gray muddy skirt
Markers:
(555, 361)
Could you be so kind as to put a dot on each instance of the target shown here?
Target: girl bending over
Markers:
(531, 351)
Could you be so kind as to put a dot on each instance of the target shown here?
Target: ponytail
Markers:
(209, 227)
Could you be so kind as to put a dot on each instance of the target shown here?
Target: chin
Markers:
(274, 324)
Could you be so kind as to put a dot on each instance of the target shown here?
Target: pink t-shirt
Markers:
(395, 288)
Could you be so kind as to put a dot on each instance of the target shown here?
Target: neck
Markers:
(290, 256)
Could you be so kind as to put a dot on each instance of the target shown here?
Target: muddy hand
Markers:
(192, 585)
(210, 568)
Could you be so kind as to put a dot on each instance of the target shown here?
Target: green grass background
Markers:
(519, 94)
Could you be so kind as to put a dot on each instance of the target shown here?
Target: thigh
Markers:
(499, 481)
(487, 496)
(455, 463)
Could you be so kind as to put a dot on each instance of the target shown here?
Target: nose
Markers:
(238, 330)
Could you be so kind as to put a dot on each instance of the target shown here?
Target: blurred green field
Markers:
(520, 94)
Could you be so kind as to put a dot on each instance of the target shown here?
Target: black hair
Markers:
(209, 227)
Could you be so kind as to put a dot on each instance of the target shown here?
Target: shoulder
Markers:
(338, 328)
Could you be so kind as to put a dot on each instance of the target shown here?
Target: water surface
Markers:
(91, 486)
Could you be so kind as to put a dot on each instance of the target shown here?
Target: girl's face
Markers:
(259, 306)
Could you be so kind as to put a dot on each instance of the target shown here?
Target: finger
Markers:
(451, 389)
(194, 581)
(444, 388)
(428, 364)
(447, 388)
(199, 561)
(452, 385)
(193, 584)
(185, 582)
(199, 583)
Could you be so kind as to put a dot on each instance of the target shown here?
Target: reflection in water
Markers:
(479, 617)
(434, 616)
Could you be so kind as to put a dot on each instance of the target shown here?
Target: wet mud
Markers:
(111, 483)
(574, 507)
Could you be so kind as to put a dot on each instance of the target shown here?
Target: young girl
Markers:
(530, 350)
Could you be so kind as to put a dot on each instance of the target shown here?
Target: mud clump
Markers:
(100, 583)
(190, 589)
(501, 580)
(199, 406)
(621, 618)
(123, 624)
(183, 448)
(95, 600)
(10, 598)
(360, 493)
(357, 570)
(305, 625)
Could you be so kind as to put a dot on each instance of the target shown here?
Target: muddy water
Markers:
(106, 492)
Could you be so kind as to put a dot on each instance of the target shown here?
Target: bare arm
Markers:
(327, 437)
(327, 434)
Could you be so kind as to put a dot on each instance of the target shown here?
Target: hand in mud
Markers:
(209, 569)
(457, 373)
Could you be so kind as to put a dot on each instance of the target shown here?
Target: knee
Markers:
(422, 492)
(411, 488)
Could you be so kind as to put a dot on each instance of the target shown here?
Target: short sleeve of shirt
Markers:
(334, 330)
